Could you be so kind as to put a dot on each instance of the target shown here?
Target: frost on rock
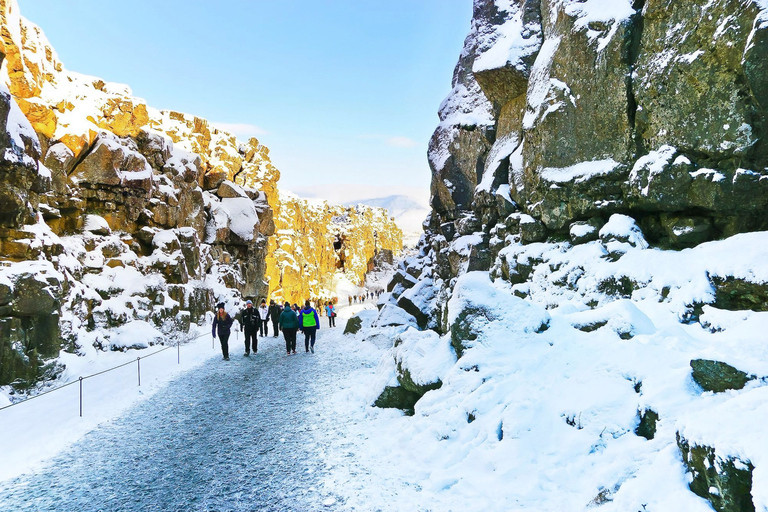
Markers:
(592, 12)
(510, 42)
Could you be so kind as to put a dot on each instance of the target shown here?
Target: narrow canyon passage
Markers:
(236, 435)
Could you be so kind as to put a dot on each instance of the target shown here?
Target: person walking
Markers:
(331, 313)
(274, 314)
(249, 324)
(222, 323)
(289, 323)
(309, 323)
(263, 318)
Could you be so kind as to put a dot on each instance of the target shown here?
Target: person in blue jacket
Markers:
(309, 323)
(222, 323)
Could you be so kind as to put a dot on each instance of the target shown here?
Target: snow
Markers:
(591, 11)
(18, 127)
(509, 42)
(426, 354)
(654, 163)
(546, 396)
(104, 397)
(466, 105)
(581, 230)
(580, 172)
(96, 223)
(238, 214)
(501, 149)
(539, 86)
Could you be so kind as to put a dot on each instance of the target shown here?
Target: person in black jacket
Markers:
(249, 324)
(274, 314)
(223, 323)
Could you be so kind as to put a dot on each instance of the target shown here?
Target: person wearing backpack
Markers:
(331, 312)
(289, 323)
(309, 323)
(274, 314)
(222, 323)
(249, 324)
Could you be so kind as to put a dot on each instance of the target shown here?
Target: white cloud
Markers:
(401, 142)
(338, 193)
(243, 130)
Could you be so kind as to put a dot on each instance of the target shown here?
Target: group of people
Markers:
(254, 323)
(369, 295)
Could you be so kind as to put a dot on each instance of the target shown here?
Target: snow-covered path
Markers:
(237, 435)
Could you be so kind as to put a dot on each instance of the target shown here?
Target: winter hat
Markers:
(220, 305)
(249, 301)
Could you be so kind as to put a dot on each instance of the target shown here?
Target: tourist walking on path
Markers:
(249, 324)
(309, 324)
(222, 323)
(289, 323)
(263, 318)
(274, 314)
(331, 312)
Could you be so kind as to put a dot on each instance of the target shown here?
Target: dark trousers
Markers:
(224, 339)
(275, 326)
(263, 327)
(251, 341)
(331, 321)
(289, 333)
(309, 337)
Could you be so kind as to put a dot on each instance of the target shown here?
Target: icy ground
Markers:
(248, 434)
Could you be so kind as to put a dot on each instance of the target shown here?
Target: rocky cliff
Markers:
(120, 224)
(316, 243)
(613, 128)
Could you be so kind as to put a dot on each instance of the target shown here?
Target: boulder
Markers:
(736, 294)
(717, 376)
(582, 232)
(228, 190)
(34, 295)
(396, 397)
(646, 426)
(725, 481)
(354, 324)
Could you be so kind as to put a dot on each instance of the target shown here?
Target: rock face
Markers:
(104, 189)
(568, 114)
(314, 241)
(576, 135)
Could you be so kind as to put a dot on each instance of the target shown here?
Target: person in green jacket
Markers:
(289, 323)
(309, 323)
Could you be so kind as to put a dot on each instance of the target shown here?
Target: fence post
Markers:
(81, 397)
(138, 366)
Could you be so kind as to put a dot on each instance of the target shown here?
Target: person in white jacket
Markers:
(264, 318)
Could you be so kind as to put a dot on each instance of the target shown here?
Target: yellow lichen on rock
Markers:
(309, 241)
(315, 241)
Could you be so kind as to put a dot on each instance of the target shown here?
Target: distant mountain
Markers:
(409, 213)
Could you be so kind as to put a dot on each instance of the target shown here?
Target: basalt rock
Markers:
(354, 324)
(717, 376)
(658, 112)
(725, 481)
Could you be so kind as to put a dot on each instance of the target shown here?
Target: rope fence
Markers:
(81, 379)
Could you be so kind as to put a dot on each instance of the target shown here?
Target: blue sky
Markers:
(343, 92)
